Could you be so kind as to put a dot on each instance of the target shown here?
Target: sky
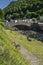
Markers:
(4, 3)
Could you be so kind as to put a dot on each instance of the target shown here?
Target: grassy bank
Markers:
(9, 55)
(34, 46)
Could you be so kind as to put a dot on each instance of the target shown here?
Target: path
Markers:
(29, 56)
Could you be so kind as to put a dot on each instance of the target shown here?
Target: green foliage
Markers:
(22, 8)
(1, 15)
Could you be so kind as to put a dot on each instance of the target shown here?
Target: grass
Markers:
(35, 46)
(9, 55)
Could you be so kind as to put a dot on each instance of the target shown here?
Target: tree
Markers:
(1, 15)
(28, 14)
(25, 8)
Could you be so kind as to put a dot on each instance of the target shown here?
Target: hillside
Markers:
(24, 8)
(30, 52)
(21, 47)
(9, 55)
